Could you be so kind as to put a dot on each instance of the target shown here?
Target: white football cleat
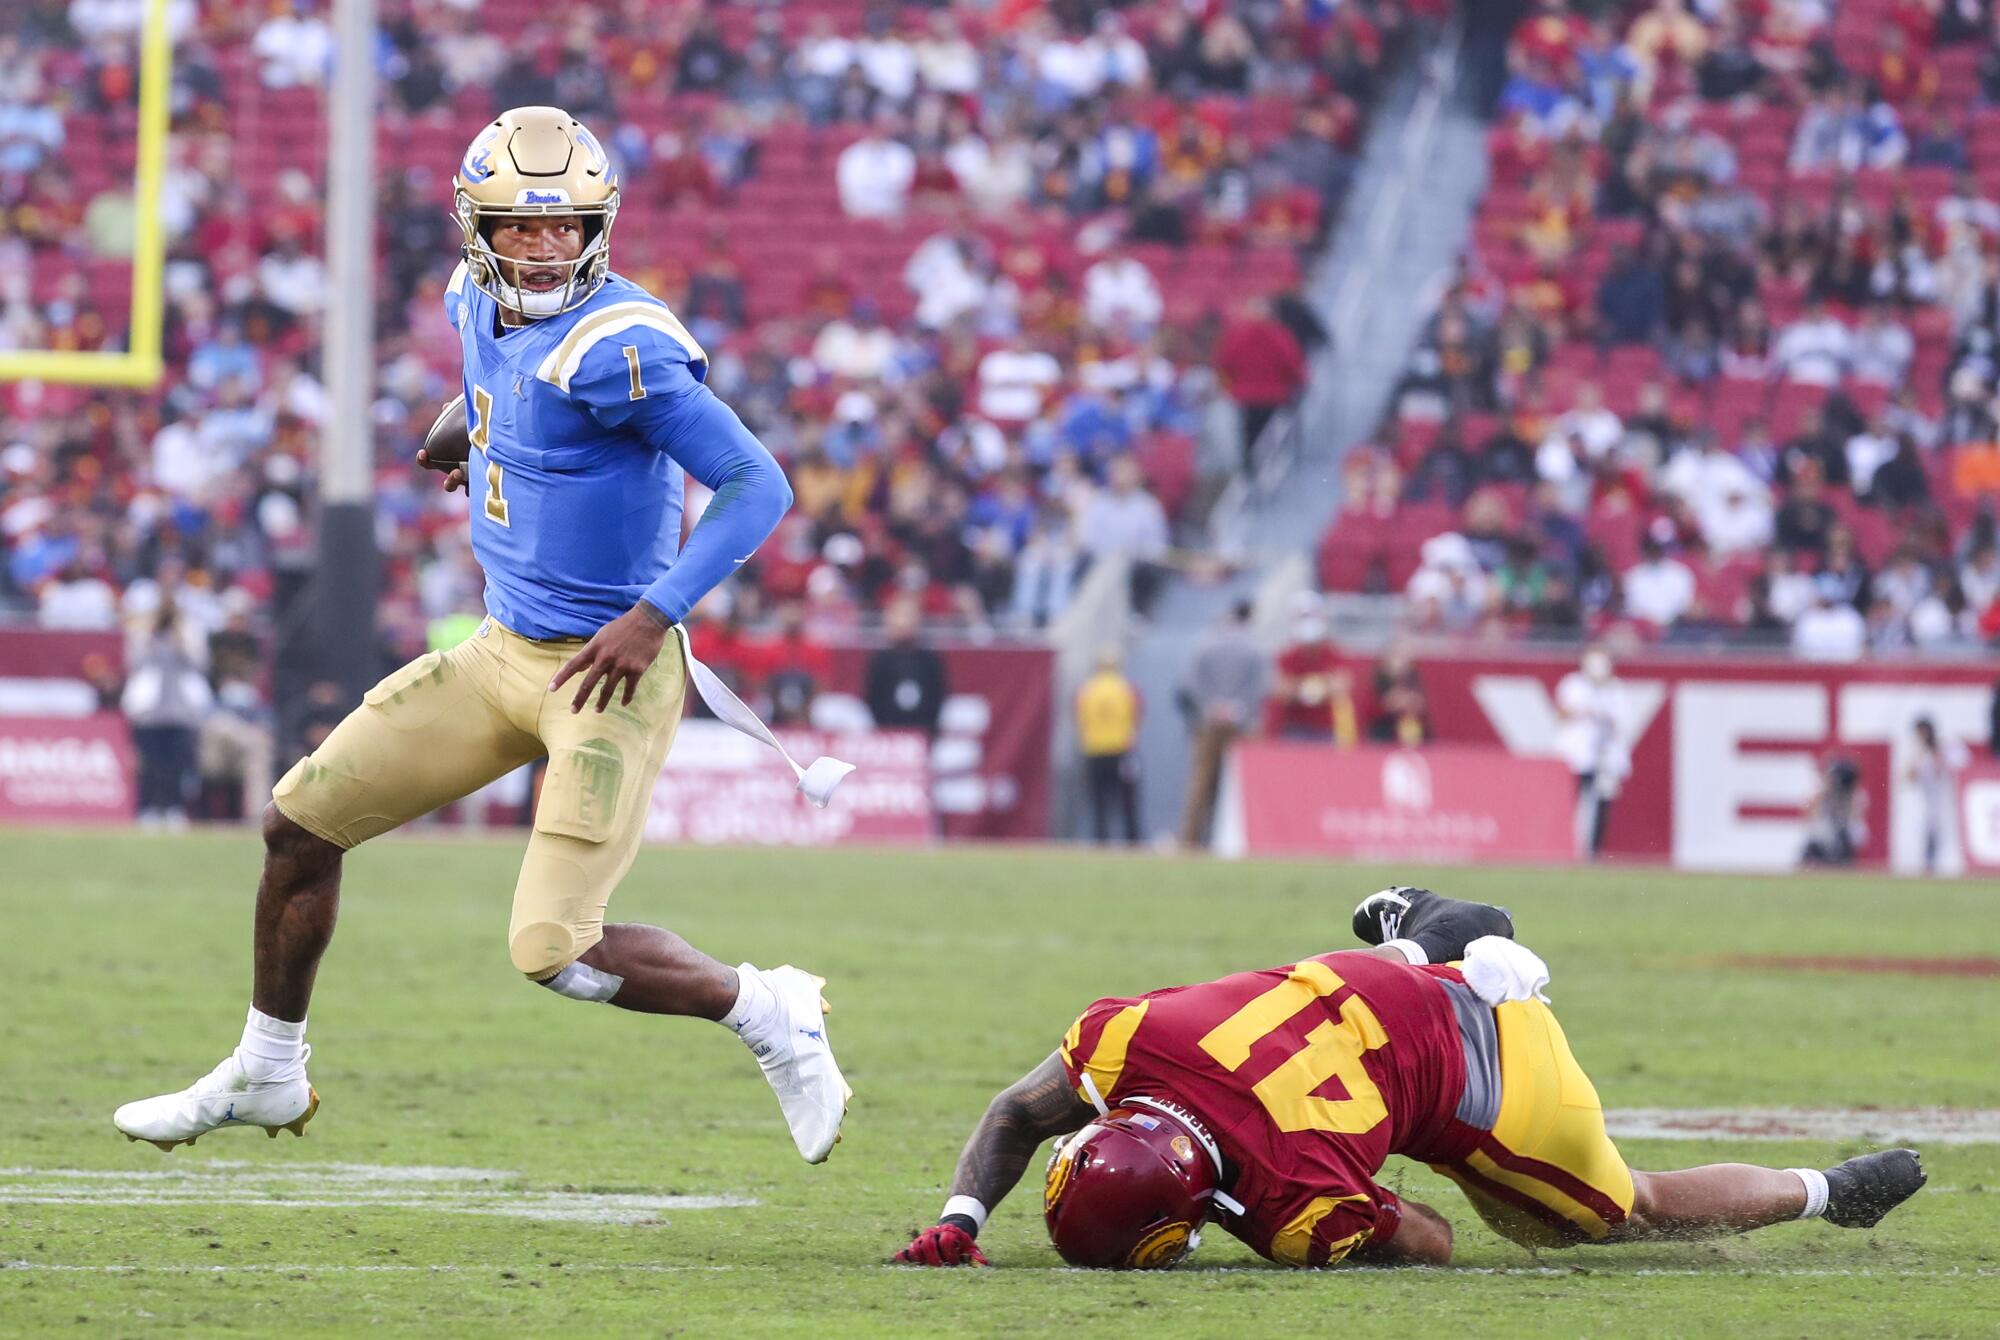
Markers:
(798, 1062)
(223, 1097)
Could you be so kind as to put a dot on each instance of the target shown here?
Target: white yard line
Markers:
(344, 1186)
(1606, 1267)
(1916, 1125)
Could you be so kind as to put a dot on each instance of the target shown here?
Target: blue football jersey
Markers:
(584, 427)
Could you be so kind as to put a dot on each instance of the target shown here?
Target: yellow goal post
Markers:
(139, 364)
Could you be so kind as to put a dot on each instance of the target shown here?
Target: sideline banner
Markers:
(66, 770)
(721, 786)
(1979, 816)
(56, 653)
(1726, 754)
(990, 765)
(1440, 804)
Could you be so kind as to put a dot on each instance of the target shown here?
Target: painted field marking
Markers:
(1609, 1271)
(344, 1186)
(1915, 1125)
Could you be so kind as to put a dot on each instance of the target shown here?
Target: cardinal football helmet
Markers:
(1130, 1190)
(535, 161)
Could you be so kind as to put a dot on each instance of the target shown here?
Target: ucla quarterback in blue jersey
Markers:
(586, 410)
(584, 427)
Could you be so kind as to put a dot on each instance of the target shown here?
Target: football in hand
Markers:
(449, 442)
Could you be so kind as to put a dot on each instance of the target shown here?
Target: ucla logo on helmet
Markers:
(478, 165)
(550, 197)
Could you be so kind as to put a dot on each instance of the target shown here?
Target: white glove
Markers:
(1500, 970)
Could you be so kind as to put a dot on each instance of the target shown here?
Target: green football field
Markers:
(490, 1159)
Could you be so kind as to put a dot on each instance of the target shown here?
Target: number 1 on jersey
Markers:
(479, 428)
(496, 502)
(479, 433)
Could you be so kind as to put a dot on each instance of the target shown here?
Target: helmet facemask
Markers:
(583, 275)
(536, 162)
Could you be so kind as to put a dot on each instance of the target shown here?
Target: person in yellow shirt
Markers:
(1107, 726)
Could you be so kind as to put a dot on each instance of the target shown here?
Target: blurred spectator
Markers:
(1816, 349)
(1124, 520)
(1447, 593)
(1659, 588)
(1881, 350)
(1979, 575)
(77, 597)
(1806, 518)
(1729, 503)
(1631, 300)
(30, 128)
(1222, 695)
(1933, 773)
(1107, 725)
(1843, 130)
(1591, 710)
(1119, 292)
(1965, 207)
(291, 279)
(858, 347)
(1829, 629)
(224, 357)
(1312, 692)
(294, 45)
(950, 274)
(236, 745)
(1262, 369)
(1045, 570)
(906, 680)
(794, 666)
(1590, 421)
(165, 698)
(1402, 710)
(1015, 382)
(875, 174)
(1836, 816)
(945, 59)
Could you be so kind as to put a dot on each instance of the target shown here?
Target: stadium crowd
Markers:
(982, 362)
(1721, 362)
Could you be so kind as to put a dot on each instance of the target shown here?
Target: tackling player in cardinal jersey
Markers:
(1269, 1101)
(585, 410)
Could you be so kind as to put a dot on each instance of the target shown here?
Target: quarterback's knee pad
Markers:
(541, 949)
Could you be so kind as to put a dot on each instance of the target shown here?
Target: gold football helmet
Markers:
(536, 161)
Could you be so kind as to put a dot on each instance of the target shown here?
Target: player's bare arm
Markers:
(1423, 1238)
(1037, 1107)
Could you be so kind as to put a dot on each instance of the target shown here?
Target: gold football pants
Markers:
(449, 722)
(1547, 1175)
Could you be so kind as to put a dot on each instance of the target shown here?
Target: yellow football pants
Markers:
(1548, 1174)
(449, 722)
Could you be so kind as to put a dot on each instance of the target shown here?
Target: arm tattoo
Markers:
(1039, 1105)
